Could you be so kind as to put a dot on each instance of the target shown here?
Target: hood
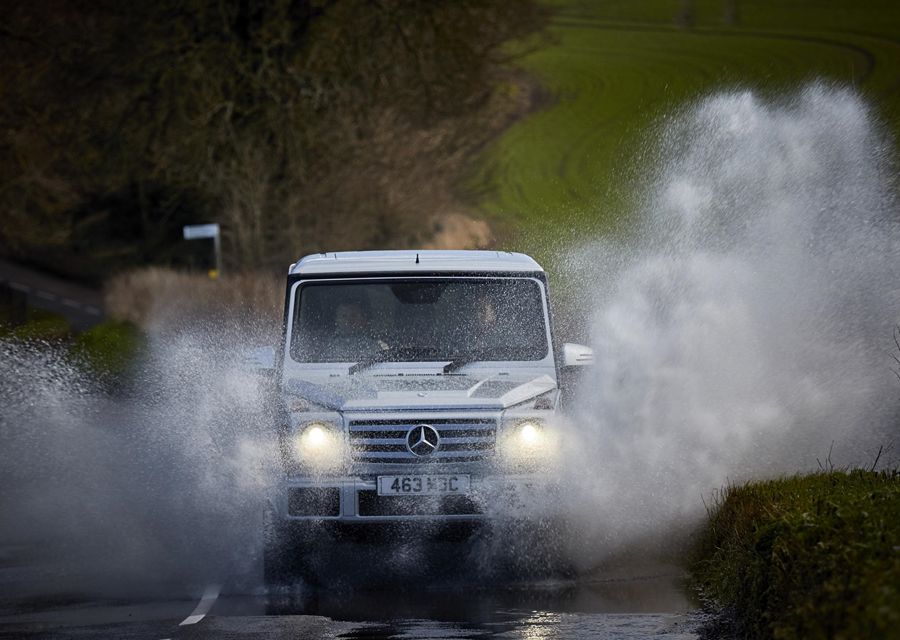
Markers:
(421, 391)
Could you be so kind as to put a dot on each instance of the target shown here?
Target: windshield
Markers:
(420, 320)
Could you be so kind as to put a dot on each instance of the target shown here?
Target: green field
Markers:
(615, 67)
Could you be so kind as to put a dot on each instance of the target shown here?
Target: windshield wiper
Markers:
(402, 354)
(457, 362)
(375, 358)
(391, 354)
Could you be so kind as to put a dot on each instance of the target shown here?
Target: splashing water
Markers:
(746, 327)
(159, 489)
(749, 326)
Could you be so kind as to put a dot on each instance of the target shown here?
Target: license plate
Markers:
(431, 485)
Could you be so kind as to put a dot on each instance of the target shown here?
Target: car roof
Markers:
(412, 261)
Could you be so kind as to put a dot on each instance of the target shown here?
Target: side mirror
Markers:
(577, 355)
(259, 359)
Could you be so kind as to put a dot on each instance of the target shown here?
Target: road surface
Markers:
(644, 604)
(83, 307)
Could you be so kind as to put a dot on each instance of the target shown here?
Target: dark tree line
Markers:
(283, 120)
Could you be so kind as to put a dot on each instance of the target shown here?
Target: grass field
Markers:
(615, 67)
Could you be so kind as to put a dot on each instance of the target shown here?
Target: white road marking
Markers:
(203, 607)
(46, 295)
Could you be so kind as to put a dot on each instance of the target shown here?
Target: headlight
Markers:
(529, 435)
(321, 447)
(527, 442)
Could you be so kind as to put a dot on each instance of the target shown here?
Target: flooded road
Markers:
(636, 604)
(141, 517)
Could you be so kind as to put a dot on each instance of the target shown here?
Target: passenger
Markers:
(352, 333)
(349, 319)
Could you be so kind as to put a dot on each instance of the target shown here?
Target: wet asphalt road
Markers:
(648, 603)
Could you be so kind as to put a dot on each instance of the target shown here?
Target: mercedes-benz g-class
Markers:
(417, 387)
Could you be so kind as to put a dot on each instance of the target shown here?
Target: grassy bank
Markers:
(160, 300)
(151, 303)
(615, 67)
(106, 351)
(814, 556)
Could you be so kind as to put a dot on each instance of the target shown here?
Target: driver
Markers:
(485, 312)
(485, 329)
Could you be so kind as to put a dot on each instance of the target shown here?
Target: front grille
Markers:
(384, 441)
(372, 504)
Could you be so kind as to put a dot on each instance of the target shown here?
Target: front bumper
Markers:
(356, 500)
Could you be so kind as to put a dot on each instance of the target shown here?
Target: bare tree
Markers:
(290, 123)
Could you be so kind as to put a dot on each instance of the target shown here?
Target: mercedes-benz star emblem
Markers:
(422, 440)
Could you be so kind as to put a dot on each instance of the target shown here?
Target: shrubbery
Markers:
(108, 349)
(814, 556)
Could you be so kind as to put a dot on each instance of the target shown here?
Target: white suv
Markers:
(416, 387)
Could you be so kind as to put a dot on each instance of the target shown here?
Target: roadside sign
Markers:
(203, 231)
(197, 231)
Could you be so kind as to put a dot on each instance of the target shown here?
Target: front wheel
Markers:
(526, 549)
(279, 553)
(293, 550)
